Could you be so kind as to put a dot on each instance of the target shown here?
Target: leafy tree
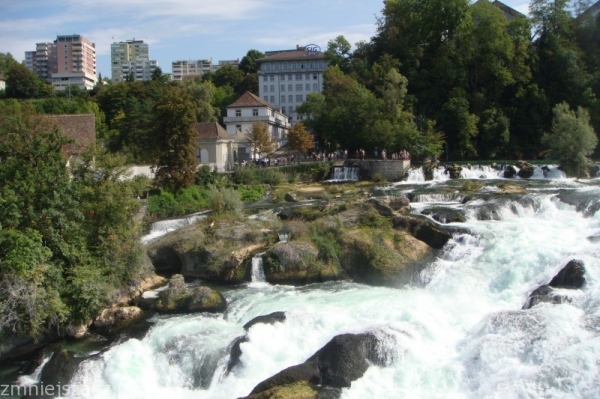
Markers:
(248, 64)
(22, 83)
(259, 138)
(6, 63)
(159, 76)
(228, 75)
(300, 139)
(461, 127)
(202, 94)
(339, 54)
(572, 139)
(174, 119)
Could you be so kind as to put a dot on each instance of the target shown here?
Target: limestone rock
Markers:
(110, 320)
(178, 298)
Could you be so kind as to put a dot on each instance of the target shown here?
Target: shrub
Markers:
(251, 193)
(378, 178)
(225, 200)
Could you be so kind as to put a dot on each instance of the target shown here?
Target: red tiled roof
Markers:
(292, 55)
(211, 130)
(249, 100)
(81, 128)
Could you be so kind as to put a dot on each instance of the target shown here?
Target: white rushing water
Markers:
(344, 173)
(160, 228)
(459, 332)
(478, 172)
(258, 273)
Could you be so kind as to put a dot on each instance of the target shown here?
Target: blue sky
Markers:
(190, 29)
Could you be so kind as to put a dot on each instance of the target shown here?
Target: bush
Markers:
(378, 178)
(206, 176)
(225, 200)
(251, 193)
(185, 201)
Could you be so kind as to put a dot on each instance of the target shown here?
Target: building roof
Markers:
(593, 10)
(509, 12)
(81, 128)
(249, 100)
(211, 130)
(292, 55)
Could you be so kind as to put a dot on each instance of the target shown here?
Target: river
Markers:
(456, 331)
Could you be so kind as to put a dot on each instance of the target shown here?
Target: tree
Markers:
(300, 139)
(228, 75)
(338, 53)
(572, 139)
(22, 83)
(159, 76)
(202, 95)
(259, 138)
(174, 119)
(248, 64)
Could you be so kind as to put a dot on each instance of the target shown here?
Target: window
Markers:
(291, 109)
(272, 78)
(311, 65)
(238, 128)
(272, 99)
(308, 76)
(282, 88)
(265, 88)
(265, 78)
(238, 112)
(285, 65)
(314, 77)
(290, 87)
(299, 87)
(268, 67)
(315, 87)
(266, 98)
(294, 65)
(321, 64)
(272, 88)
(290, 98)
(302, 65)
(276, 66)
(290, 77)
(307, 87)
(282, 77)
(298, 76)
(299, 98)
(254, 112)
(283, 98)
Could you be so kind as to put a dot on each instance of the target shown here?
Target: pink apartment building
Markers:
(69, 60)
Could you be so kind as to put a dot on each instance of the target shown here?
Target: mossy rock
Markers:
(376, 258)
(178, 298)
(298, 390)
(296, 263)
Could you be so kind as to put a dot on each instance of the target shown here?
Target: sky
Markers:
(190, 29)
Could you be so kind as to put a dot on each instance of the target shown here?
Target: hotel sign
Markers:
(312, 50)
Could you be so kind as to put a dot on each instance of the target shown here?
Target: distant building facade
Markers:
(592, 12)
(286, 77)
(190, 69)
(247, 110)
(509, 12)
(2, 83)
(69, 60)
(216, 147)
(131, 59)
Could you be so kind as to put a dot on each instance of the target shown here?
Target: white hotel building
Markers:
(286, 77)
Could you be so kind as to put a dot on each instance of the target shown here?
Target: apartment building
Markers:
(189, 69)
(286, 77)
(69, 60)
(131, 59)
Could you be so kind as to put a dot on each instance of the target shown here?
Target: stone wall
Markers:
(391, 170)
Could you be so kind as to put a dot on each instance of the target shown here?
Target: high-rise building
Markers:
(131, 59)
(286, 77)
(69, 60)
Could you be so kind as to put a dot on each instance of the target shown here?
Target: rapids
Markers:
(458, 331)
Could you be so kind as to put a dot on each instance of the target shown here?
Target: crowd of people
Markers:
(329, 156)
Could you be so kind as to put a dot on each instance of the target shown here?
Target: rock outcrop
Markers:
(178, 298)
(340, 362)
(570, 277)
(271, 318)
(423, 229)
(213, 254)
(296, 262)
(111, 320)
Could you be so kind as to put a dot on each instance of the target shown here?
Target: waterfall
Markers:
(284, 237)
(163, 227)
(344, 173)
(459, 331)
(258, 273)
(481, 172)
(415, 175)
